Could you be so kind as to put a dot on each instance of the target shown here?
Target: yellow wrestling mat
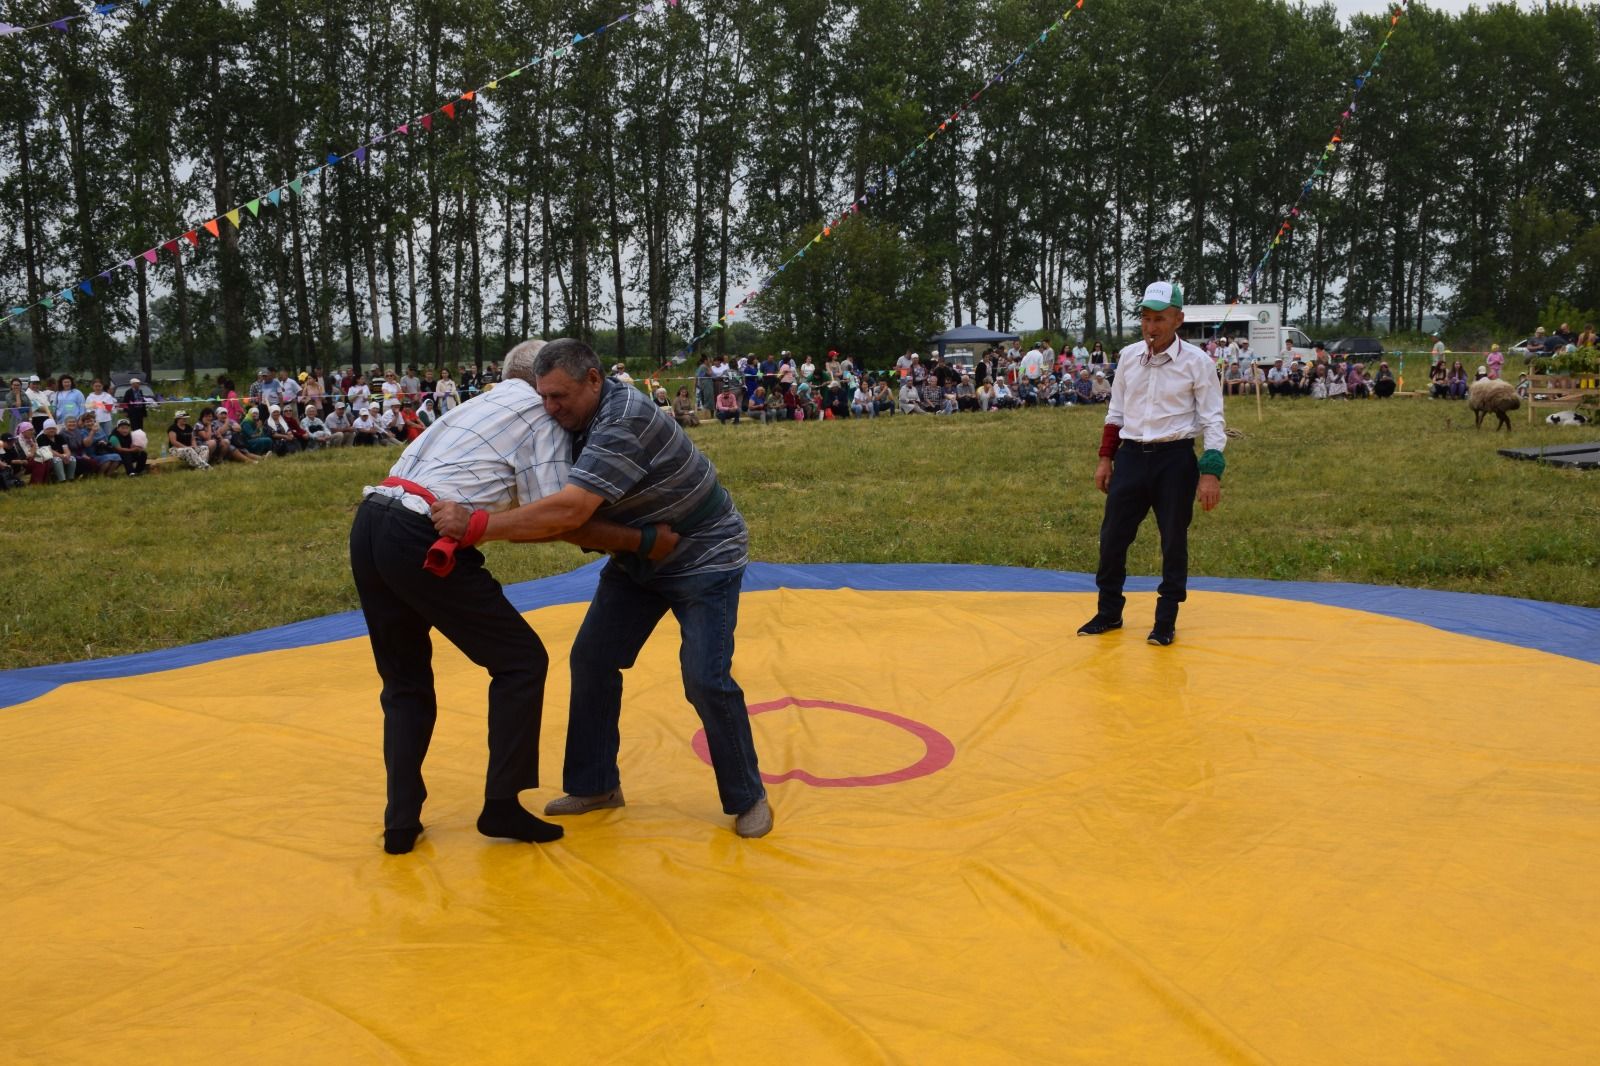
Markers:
(1303, 834)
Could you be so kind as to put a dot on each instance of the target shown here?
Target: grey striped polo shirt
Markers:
(637, 458)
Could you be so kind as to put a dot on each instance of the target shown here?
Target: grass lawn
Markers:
(1400, 492)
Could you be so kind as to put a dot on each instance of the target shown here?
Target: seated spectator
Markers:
(882, 397)
(966, 394)
(1004, 398)
(835, 402)
(14, 472)
(366, 430)
(135, 460)
(40, 467)
(1356, 381)
(251, 429)
(1319, 382)
(1232, 378)
(229, 434)
(1277, 379)
(316, 430)
(1383, 385)
(1083, 387)
(760, 409)
(861, 405)
(183, 443)
(1100, 387)
(79, 435)
(284, 439)
(792, 411)
(1027, 392)
(683, 408)
(662, 400)
(408, 426)
(341, 431)
(1457, 380)
(426, 413)
(53, 449)
(910, 402)
(100, 446)
(1524, 386)
(932, 395)
(1438, 381)
(728, 406)
(391, 430)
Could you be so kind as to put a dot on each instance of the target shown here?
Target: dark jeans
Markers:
(621, 618)
(1163, 479)
(402, 602)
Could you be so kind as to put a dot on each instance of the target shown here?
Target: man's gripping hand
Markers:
(450, 519)
(666, 540)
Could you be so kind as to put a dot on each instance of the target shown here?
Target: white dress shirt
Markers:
(1168, 396)
(500, 449)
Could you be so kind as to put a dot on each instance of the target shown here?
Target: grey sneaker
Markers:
(756, 822)
(584, 804)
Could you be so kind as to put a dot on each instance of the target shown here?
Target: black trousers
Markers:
(1162, 478)
(402, 602)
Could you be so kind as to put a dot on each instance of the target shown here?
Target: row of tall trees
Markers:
(637, 184)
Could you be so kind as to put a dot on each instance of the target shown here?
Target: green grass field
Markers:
(1400, 492)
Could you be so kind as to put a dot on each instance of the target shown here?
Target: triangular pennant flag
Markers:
(171, 246)
(403, 128)
(233, 216)
(254, 207)
(193, 237)
(105, 275)
(296, 185)
(274, 196)
(48, 301)
(151, 255)
(577, 38)
(469, 94)
(494, 83)
(332, 159)
(449, 110)
(427, 122)
(104, 9)
(84, 285)
(6, 30)
(60, 24)
(211, 228)
(15, 311)
(361, 154)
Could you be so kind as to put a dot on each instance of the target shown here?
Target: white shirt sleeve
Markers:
(1207, 406)
(1114, 415)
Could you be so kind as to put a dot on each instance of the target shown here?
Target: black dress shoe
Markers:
(1160, 637)
(1097, 625)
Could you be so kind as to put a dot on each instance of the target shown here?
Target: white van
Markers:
(1261, 323)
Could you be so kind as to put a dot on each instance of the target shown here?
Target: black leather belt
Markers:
(1159, 445)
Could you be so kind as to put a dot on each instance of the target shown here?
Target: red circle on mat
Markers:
(938, 751)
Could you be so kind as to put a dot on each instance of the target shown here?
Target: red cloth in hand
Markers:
(441, 557)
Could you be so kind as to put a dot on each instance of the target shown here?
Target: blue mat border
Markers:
(1560, 629)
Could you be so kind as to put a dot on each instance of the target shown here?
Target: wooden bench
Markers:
(1563, 391)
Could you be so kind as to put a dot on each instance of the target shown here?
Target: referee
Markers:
(1165, 394)
(496, 451)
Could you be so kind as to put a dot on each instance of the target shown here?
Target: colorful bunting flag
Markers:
(211, 228)
(193, 237)
(449, 110)
(151, 255)
(254, 207)
(233, 216)
(171, 246)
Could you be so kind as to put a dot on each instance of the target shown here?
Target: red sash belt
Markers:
(442, 556)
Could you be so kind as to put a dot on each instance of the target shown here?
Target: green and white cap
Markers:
(1160, 295)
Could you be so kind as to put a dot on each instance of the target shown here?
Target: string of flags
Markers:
(1360, 82)
(873, 190)
(294, 187)
(64, 25)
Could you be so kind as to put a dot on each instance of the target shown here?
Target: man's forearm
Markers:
(601, 535)
(548, 519)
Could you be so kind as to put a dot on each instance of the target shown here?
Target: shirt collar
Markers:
(1165, 356)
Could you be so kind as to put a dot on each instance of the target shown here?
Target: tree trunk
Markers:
(38, 321)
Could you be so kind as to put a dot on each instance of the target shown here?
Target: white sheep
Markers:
(1492, 395)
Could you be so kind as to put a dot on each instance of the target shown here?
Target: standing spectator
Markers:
(232, 406)
(769, 375)
(39, 405)
(103, 406)
(445, 392)
(1097, 355)
(311, 391)
(1080, 354)
(1438, 348)
(135, 460)
(53, 449)
(182, 442)
(1496, 359)
(1586, 339)
(134, 403)
(17, 406)
(411, 386)
(288, 391)
(833, 367)
(359, 394)
(702, 384)
(808, 371)
(391, 391)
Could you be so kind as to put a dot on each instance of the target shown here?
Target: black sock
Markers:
(507, 818)
(400, 841)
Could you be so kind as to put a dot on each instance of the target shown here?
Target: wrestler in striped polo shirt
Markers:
(633, 465)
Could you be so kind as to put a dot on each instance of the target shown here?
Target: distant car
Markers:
(1537, 346)
(1360, 347)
